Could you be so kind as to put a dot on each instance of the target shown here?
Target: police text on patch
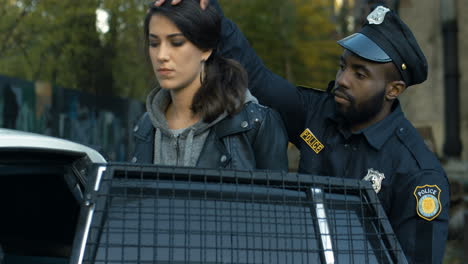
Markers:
(427, 191)
(312, 141)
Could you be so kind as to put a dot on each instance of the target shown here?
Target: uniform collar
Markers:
(378, 133)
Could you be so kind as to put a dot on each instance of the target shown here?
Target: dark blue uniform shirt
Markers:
(414, 191)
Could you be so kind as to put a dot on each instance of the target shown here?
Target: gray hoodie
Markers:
(178, 147)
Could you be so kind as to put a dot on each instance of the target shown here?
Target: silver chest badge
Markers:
(375, 177)
(377, 16)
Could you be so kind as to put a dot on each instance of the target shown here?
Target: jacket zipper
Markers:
(177, 149)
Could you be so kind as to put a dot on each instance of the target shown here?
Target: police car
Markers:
(61, 202)
(42, 182)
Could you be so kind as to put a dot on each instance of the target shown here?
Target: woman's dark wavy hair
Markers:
(225, 81)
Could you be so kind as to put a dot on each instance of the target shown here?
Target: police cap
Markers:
(384, 38)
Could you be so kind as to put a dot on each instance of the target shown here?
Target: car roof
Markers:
(14, 139)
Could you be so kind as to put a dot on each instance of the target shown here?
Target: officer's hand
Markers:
(203, 3)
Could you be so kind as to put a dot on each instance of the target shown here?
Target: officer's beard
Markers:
(355, 114)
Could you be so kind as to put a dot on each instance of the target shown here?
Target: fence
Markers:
(104, 124)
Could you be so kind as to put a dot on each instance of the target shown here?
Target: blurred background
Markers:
(77, 69)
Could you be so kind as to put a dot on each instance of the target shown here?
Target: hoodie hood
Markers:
(178, 147)
(156, 104)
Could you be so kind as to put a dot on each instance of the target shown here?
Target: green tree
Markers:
(124, 43)
(296, 39)
(57, 41)
(51, 40)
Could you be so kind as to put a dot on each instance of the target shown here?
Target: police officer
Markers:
(357, 128)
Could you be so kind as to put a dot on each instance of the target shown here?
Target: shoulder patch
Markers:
(311, 140)
(428, 204)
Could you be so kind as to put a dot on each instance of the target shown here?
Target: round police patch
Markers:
(428, 204)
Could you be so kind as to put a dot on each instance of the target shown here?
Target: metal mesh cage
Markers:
(150, 214)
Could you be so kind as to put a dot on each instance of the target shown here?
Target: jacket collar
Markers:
(237, 123)
(376, 134)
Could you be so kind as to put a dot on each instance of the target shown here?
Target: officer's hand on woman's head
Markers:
(203, 3)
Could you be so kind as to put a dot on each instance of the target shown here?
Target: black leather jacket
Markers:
(254, 138)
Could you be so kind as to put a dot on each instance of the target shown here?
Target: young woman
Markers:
(202, 114)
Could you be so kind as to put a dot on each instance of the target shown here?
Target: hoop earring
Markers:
(202, 72)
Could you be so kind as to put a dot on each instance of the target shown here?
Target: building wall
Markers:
(424, 103)
(463, 52)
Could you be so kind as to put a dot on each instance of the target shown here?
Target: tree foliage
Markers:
(51, 40)
(296, 38)
(131, 70)
(57, 41)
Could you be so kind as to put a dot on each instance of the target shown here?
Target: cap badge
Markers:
(403, 66)
(375, 177)
(428, 204)
(377, 16)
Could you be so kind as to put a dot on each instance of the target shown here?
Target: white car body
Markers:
(14, 139)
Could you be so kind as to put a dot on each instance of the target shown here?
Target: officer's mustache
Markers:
(342, 93)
